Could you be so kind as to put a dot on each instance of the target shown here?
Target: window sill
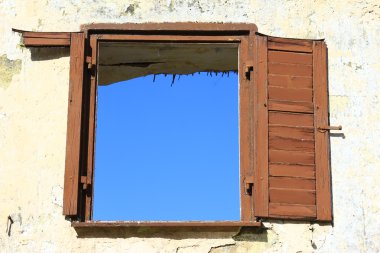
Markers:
(215, 224)
(117, 229)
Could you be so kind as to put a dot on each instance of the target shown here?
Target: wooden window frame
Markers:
(242, 35)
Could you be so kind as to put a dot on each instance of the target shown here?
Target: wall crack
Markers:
(221, 246)
(185, 247)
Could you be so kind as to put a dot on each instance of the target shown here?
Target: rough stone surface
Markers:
(33, 109)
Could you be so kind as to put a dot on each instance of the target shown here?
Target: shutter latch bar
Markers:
(328, 128)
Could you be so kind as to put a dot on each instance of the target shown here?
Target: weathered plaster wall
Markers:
(33, 108)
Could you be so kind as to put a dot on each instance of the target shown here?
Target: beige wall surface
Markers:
(33, 114)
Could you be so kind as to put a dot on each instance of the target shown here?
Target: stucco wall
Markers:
(33, 111)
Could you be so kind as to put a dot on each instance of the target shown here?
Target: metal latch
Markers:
(248, 186)
(328, 128)
(248, 70)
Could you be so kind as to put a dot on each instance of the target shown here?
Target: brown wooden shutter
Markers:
(71, 183)
(292, 173)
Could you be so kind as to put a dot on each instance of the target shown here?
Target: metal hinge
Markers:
(248, 69)
(91, 66)
(89, 62)
(248, 186)
(85, 182)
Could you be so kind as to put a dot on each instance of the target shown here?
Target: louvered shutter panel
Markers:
(292, 173)
(74, 121)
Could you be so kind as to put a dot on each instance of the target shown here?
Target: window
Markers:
(167, 132)
(283, 113)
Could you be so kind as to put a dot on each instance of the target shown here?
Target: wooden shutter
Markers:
(292, 174)
(74, 121)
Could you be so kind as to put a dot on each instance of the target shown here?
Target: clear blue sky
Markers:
(168, 152)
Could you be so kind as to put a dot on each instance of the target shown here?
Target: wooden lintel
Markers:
(45, 39)
(173, 27)
(62, 39)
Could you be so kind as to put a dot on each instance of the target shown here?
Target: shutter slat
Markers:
(291, 106)
(300, 133)
(290, 69)
(290, 144)
(291, 196)
(291, 183)
(291, 170)
(290, 94)
(291, 119)
(293, 157)
(288, 81)
(290, 211)
(290, 57)
(293, 45)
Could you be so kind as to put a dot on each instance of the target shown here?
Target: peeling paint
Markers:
(131, 8)
(8, 68)
(57, 195)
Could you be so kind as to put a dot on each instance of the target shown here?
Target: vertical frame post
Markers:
(261, 196)
(245, 129)
(91, 127)
(322, 159)
(74, 125)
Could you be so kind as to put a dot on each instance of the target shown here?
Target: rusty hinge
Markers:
(85, 182)
(248, 69)
(248, 186)
(89, 62)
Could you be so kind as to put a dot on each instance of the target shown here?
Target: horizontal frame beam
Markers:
(173, 27)
(62, 39)
(163, 38)
(45, 39)
(103, 224)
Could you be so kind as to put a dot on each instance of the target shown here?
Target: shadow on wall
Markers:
(333, 135)
(338, 135)
(49, 53)
(254, 234)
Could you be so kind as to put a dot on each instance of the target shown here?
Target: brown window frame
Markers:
(185, 33)
(260, 58)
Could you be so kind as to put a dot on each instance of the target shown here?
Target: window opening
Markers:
(167, 133)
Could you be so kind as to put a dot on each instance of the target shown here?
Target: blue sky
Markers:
(168, 152)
